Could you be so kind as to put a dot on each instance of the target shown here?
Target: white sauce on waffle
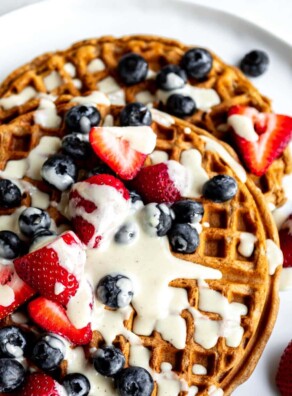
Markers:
(53, 81)
(18, 99)
(96, 65)
(145, 97)
(46, 115)
(158, 156)
(247, 244)
(70, 69)
(243, 127)
(274, 256)
(199, 369)
(94, 98)
(162, 118)
(196, 175)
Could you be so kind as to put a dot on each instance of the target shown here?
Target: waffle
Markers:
(231, 85)
(245, 280)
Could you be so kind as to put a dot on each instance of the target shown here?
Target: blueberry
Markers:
(180, 105)
(32, 220)
(255, 63)
(183, 238)
(115, 291)
(76, 384)
(12, 342)
(108, 361)
(101, 169)
(74, 146)
(187, 211)
(197, 62)
(59, 171)
(126, 234)
(220, 188)
(157, 219)
(132, 68)
(134, 381)
(171, 77)
(48, 352)
(10, 194)
(135, 197)
(11, 375)
(82, 118)
(135, 114)
(10, 245)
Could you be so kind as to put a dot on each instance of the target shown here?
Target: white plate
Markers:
(56, 24)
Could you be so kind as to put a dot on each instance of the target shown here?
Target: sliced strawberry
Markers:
(123, 149)
(52, 317)
(284, 377)
(285, 235)
(13, 291)
(260, 137)
(54, 270)
(39, 384)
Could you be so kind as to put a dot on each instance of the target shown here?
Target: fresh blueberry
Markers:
(11, 375)
(187, 211)
(82, 118)
(126, 234)
(255, 63)
(10, 194)
(108, 361)
(48, 352)
(59, 171)
(101, 169)
(180, 105)
(135, 114)
(115, 291)
(10, 245)
(132, 68)
(135, 196)
(76, 384)
(75, 146)
(171, 77)
(157, 219)
(32, 220)
(197, 62)
(134, 381)
(220, 188)
(183, 238)
(12, 342)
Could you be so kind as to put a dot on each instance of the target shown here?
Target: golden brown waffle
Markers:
(228, 81)
(245, 280)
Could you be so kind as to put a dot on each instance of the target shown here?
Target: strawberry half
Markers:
(55, 270)
(284, 377)
(52, 317)
(123, 149)
(39, 384)
(285, 235)
(260, 137)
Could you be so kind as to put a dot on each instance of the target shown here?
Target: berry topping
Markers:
(11, 375)
(39, 384)
(255, 63)
(126, 234)
(10, 194)
(180, 105)
(76, 384)
(197, 62)
(260, 137)
(115, 291)
(171, 77)
(135, 197)
(12, 342)
(132, 68)
(74, 146)
(135, 114)
(187, 211)
(283, 377)
(134, 381)
(220, 188)
(82, 118)
(48, 352)
(59, 171)
(32, 220)
(157, 219)
(183, 238)
(285, 235)
(10, 245)
(108, 361)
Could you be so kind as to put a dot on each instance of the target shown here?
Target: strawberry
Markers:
(285, 235)
(260, 137)
(17, 290)
(123, 149)
(284, 377)
(98, 206)
(164, 182)
(39, 384)
(55, 269)
(52, 317)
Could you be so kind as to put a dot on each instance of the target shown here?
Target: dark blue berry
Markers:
(135, 197)
(10, 245)
(157, 219)
(82, 118)
(115, 291)
(126, 234)
(171, 77)
(75, 146)
(132, 68)
(220, 188)
(197, 62)
(32, 220)
(101, 169)
(12, 342)
(134, 381)
(59, 171)
(180, 105)
(108, 361)
(48, 352)
(255, 63)
(10, 194)
(135, 114)
(187, 211)
(76, 384)
(183, 238)
(11, 375)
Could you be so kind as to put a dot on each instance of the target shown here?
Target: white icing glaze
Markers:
(187, 130)
(178, 174)
(79, 309)
(96, 65)
(53, 81)
(158, 156)
(243, 127)
(214, 391)
(281, 214)
(247, 242)
(39, 199)
(108, 85)
(10, 222)
(286, 279)
(140, 356)
(14, 169)
(70, 69)
(59, 288)
(162, 118)
(94, 98)
(199, 369)
(197, 176)
(145, 97)
(46, 115)
(173, 329)
(6, 295)
(19, 99)
(108, 120)
(77, 83)
(151, 74)
(274, 256)
(117, 98)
